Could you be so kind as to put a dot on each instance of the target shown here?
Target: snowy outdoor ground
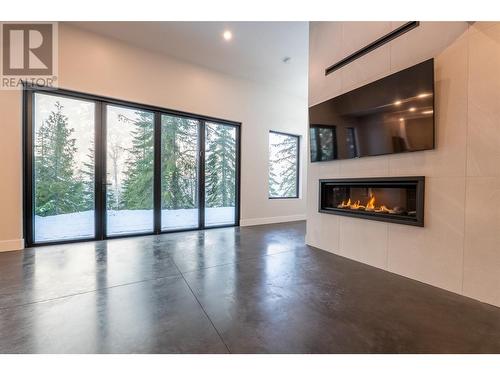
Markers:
(81, 224)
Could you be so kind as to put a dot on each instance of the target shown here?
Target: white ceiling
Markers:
(255, 52)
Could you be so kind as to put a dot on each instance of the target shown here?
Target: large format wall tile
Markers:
(424, 42)
(433, 254)
(330, 234)
(458, 249)
(484, 103)
(323, 33)
(364, 241)
(313, 229)
(313, 225)
(356, 35)
(373, 166)
(331, 88)
(329, 169)
(323, 231)
(482, 239)
(396, 24)
(481, 25)
(448, 158)
(366, 69)
(372, 66)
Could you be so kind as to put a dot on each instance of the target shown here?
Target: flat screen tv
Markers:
(392, 115)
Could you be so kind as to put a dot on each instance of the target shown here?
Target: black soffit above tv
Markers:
(392, 115)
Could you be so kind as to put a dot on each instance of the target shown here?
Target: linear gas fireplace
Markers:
(392, 199)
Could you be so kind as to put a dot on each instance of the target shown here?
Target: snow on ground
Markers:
(81, 224)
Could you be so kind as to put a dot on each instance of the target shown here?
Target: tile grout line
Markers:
(85, 292)
(235, 262)
(141, 281)
(202, 308)
(135, 282)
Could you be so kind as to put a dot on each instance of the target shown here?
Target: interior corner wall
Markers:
(103, 66)
(459, 247)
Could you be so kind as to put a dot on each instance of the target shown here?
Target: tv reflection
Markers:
(391, 115)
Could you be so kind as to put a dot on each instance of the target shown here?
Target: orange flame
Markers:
(345, 204)
(356, 205)
(370, 206)
(384, 209)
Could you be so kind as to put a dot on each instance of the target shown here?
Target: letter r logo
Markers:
(27, 49)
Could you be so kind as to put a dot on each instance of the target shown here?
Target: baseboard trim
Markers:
(271, 220)
(12, 245)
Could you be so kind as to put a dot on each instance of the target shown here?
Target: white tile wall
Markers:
(356, 35)
(366, 69)
(426, 41)
(448, 159)
(484, 103)
(433, 254)
(364, 167)
(356, 234)
(482, 215)
(459, 247)
(482, 239)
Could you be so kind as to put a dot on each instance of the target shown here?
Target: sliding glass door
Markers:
(220, 174)
(179, 172)
(97, 168)
(63, 168)
(129, 170)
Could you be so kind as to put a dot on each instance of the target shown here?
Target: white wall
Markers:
(459, 247)
(103, 66)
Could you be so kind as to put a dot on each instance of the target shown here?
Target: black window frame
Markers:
(100, 167)
(297, 179)
(316, 140)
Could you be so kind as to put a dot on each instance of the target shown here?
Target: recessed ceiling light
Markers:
(401, 119)
(428, 112)
(227, 35)
(412, 109)
(424, 95)
(397, 102)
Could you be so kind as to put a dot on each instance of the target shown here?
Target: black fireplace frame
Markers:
(417, 181)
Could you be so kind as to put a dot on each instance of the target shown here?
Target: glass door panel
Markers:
(179, 173)
(129, 153)
(220, 174)
(95, 171)
(63, 168)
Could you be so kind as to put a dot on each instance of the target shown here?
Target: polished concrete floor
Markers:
(232, 290)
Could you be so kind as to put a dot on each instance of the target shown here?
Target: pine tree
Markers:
(57, 189)
(88, 173)
(113, 192)
(138, 184)
(178, 169)
(112, 199)
(220, 166)
(283, 167)
(273, 181)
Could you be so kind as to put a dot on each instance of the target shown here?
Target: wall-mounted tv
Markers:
(392, 115)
